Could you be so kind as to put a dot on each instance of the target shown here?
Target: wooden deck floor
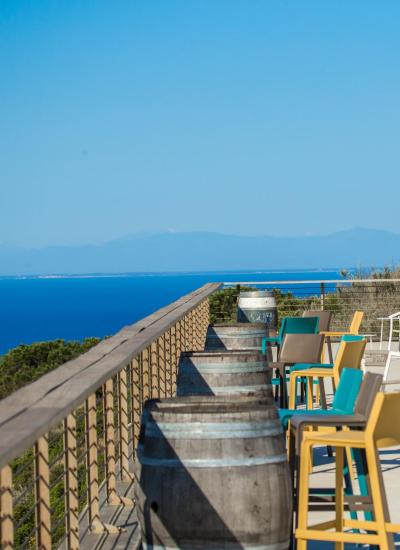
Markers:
(123, 517)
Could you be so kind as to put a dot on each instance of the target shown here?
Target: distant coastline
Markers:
(175, 273)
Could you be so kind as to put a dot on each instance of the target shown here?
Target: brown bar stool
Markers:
(324, 325)
(296, 348)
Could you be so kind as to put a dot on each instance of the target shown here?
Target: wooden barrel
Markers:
(257, 307)
(212, 473)
(223, 373)
(238, 336)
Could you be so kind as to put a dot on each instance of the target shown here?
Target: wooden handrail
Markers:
(29, 413)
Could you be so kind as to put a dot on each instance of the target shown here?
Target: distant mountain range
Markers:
(163, 252)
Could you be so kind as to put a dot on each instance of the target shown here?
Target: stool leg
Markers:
(276, 389)
(292, 391)
(348, 482)
(302, 494)
(330, 354)
(310, 391)
(379, 498)
(318, 394)
(322, 393)
(363, 480)
(302, 391)
(339, 500)
(292, 466)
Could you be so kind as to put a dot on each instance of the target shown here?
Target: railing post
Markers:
(109, 434)
(123, 425)
(71, 483)
(200, 329)
(6, 509)
(154, 382)
(179, 335)
(109, 443)
(322, 295)
(92, 469)
(174, 357)
(204, 315)
(42, 494)
(146, 383)
(168, 363)
(136, 401)
(190, 339)
(162, 382)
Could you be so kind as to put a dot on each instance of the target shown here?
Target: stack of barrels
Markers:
(211, 469)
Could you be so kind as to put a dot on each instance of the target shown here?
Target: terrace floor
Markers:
(322, 476)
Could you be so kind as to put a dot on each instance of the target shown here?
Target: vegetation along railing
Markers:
(72, 433)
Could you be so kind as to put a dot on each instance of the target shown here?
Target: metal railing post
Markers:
(322, 295)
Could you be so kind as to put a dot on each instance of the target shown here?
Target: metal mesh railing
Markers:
(376, 298)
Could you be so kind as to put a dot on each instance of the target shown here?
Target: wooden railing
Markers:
(72, 433)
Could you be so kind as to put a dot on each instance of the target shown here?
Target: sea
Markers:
(75, 307)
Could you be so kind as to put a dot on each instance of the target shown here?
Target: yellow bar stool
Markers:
(380, 432)
(349, 356)
(354, 329)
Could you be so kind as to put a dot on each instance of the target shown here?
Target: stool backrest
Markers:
(347, 391)
(370, 386)
(324, 317)
(349, 355)
(382, 425)
(356, 322)
(301, 325)
(301, 348)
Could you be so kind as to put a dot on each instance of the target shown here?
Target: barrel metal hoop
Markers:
(214, 430)
(239, 335)
(227, 368)
(210, 462)
(222, 390)
(266, 303)
(217, 348)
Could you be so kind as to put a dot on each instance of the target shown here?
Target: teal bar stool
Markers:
(343, 402)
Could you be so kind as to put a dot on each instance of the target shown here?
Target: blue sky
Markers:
(247, 117)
